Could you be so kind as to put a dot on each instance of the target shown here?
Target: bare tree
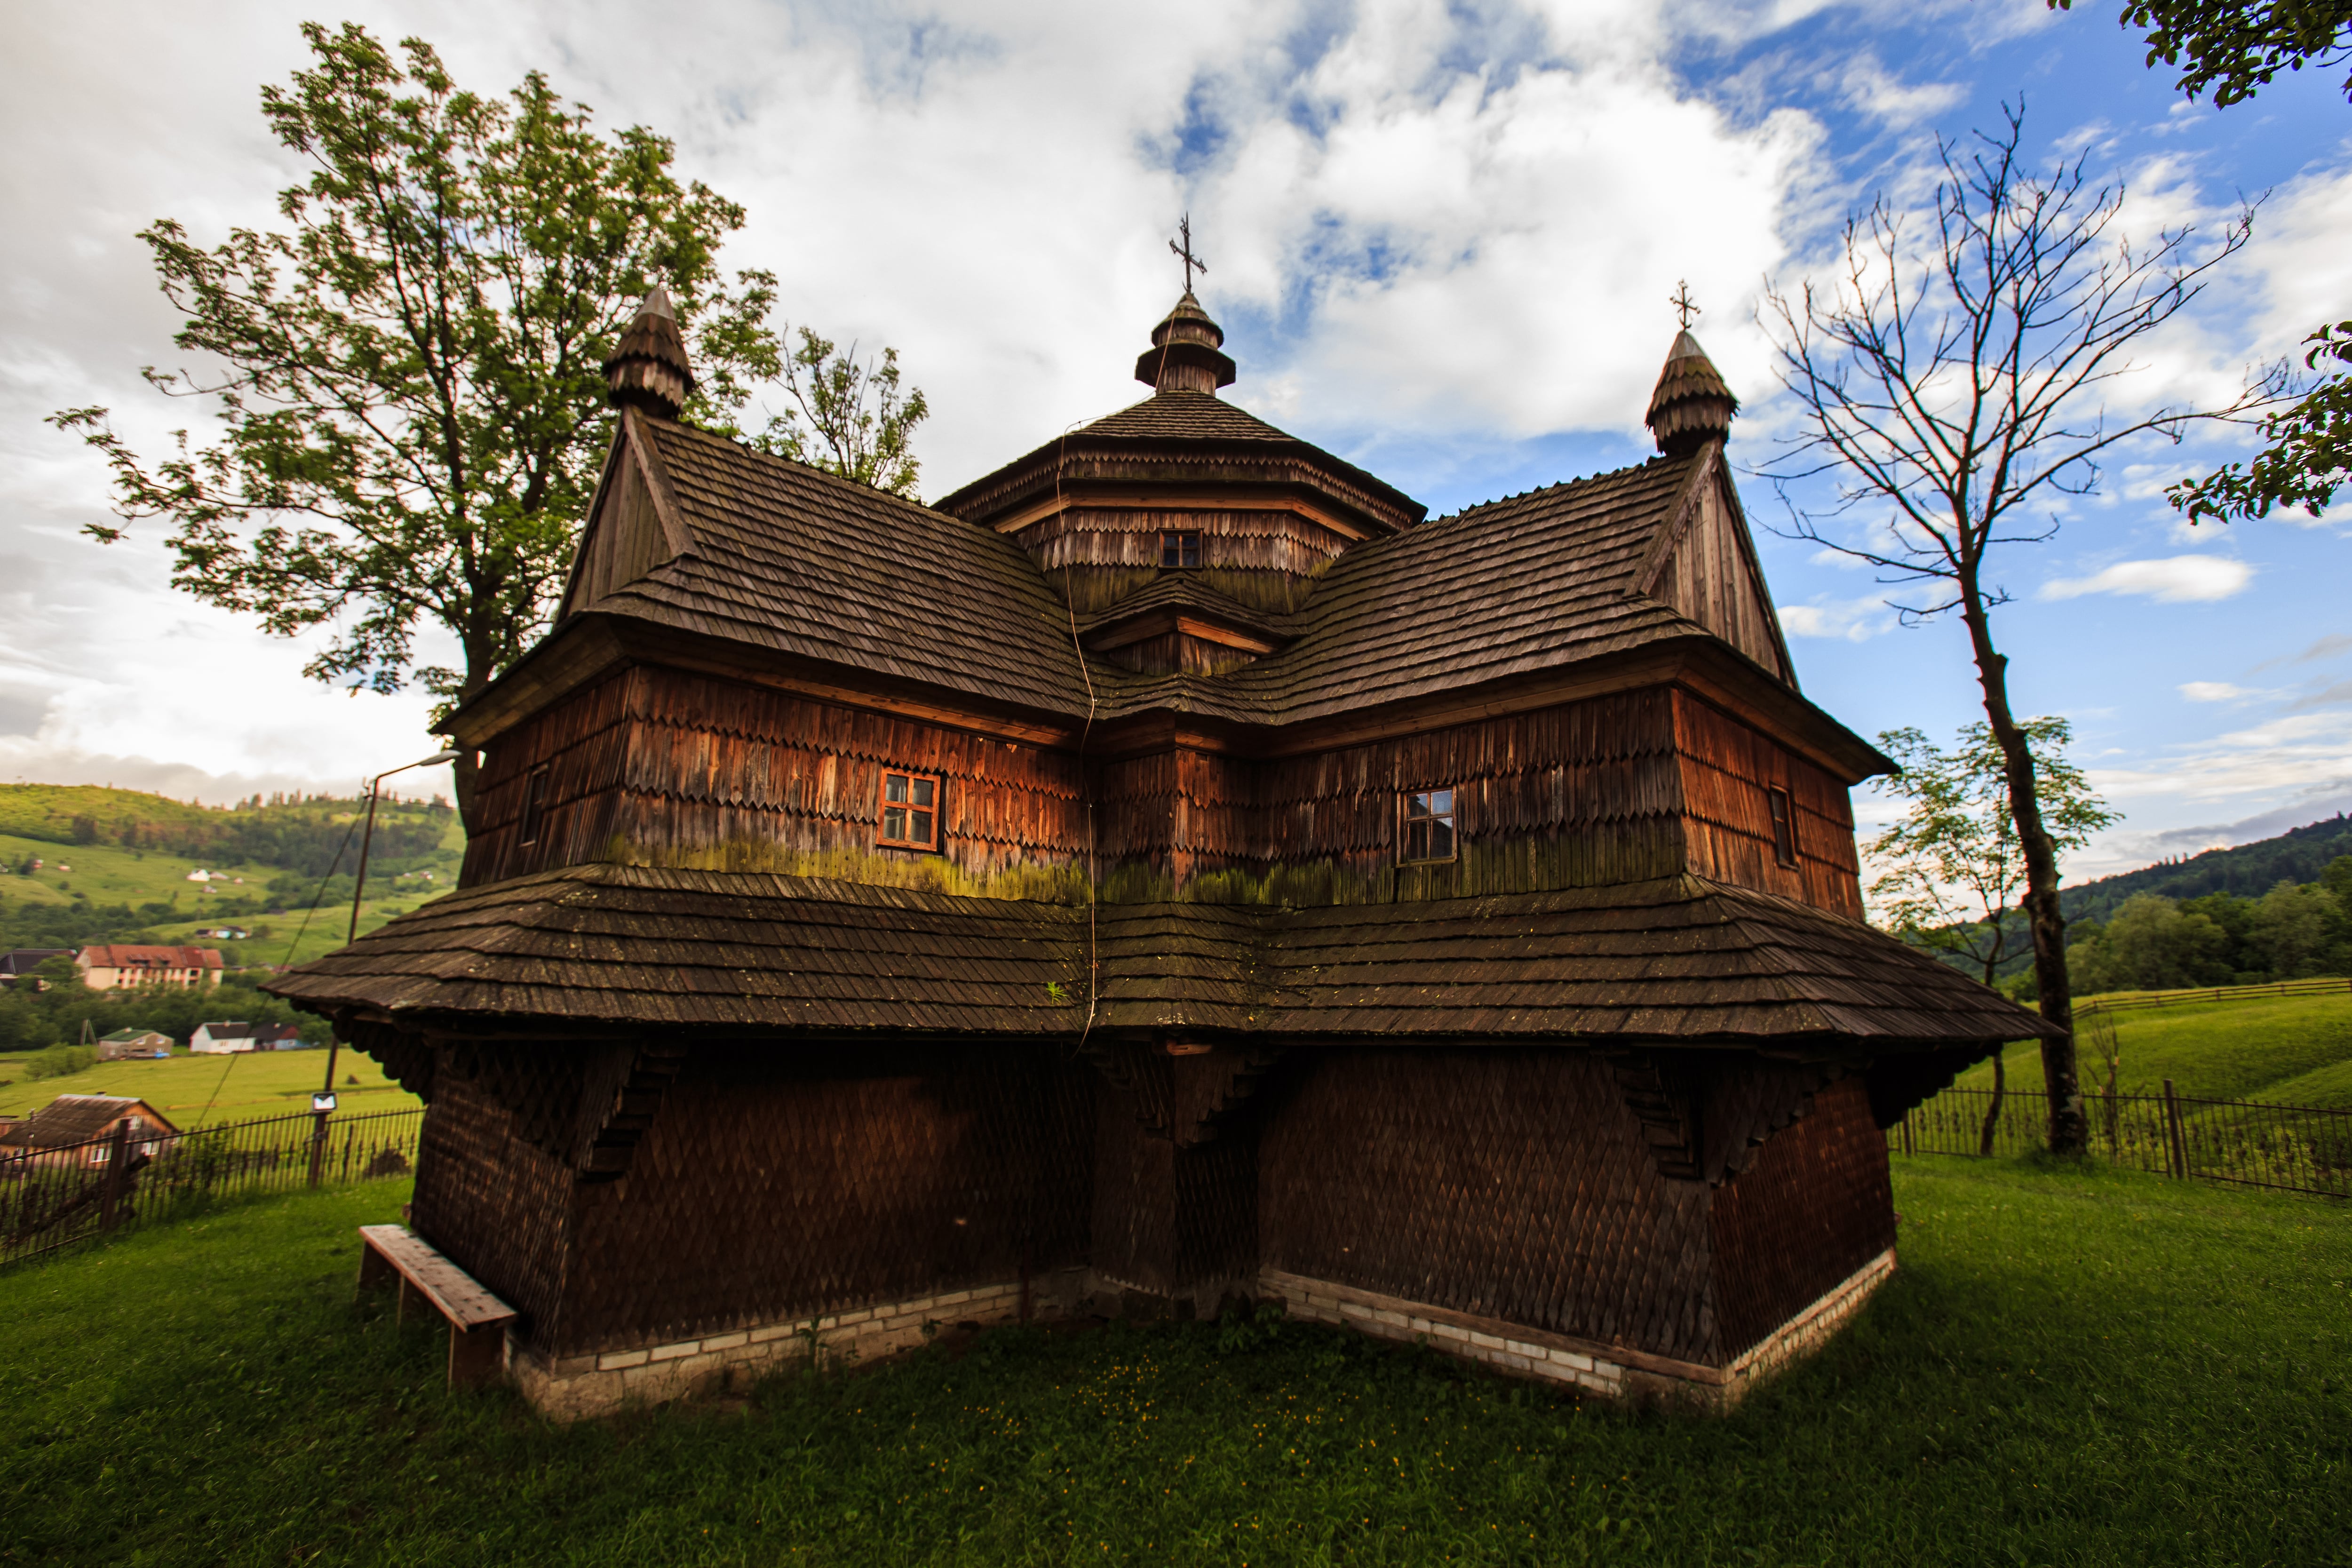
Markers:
(1955, 376)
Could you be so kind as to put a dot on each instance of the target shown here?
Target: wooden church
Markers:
(1169, 871)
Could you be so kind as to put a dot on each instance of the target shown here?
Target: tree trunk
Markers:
(466, 774)
(1999, 1087)
(468, 778)
(2069, 1128)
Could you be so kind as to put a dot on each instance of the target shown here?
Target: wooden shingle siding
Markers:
(1814, 1207)
(1726, 767)
(770, 1186)
(658, 767)
(1444, 1177)
(484, 1193)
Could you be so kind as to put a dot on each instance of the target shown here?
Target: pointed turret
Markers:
(649, 369)
(1185, 354)
(1692, 405)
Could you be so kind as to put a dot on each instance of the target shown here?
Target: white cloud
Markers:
(2214, 691)
(1870, 89)
(1850, 620)
(2176, 579)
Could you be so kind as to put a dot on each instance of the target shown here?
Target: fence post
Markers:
(2175, 1143)
(1906, 1131)
(117, 1161)
(318, 1146)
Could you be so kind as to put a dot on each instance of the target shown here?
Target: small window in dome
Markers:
(1180, 550)
(909, 814)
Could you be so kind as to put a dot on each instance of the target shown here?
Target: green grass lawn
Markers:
(254, 1084)
(2295, 1051)
(2070, 1368)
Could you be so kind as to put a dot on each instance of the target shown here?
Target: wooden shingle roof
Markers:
(1536, 582)
(628, 948)
(784, 556)
(787, 558)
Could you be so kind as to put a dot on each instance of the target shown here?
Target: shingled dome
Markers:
(1691, 405)
(649, 369)
(1186, 353)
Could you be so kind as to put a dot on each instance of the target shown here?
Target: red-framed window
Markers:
(1428, 833)
(1784, 824)
(908, 815)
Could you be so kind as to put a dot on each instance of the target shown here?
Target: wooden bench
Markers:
(478, 1320)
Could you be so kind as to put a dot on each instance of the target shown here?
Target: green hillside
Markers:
(2247, 871)
(235, 1089)
(81, 864)
(2292, 1050)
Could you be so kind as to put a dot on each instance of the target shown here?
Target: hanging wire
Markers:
(332, 866)
(1070, 607)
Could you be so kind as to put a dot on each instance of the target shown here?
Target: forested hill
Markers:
(2248, 870)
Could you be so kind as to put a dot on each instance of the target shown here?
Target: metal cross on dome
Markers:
(1192, 263)
(1681, 300)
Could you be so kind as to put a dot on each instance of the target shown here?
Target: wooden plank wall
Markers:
(1726, 770)
(1509, 1183)
(625, 541)
(1815, 1206)
(658, 767)
(1709, 579)
(1584, 794)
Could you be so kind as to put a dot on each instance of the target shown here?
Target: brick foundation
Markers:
(1611, 1370)
(574, 1387)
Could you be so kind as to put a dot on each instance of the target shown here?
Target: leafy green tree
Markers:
(1951, 868)
(1952, 380)
(2233, 46)
(409, 384)
(2309, 458)
(2294, 931)
(2152, 945)
(847, 417)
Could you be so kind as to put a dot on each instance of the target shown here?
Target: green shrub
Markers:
(61, 1060)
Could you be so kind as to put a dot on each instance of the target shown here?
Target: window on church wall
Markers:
(534, 803)
(909, 810)
(1784, 826)
(1428, 826)
(1180, 550)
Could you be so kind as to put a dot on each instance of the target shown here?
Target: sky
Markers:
(1441, 239)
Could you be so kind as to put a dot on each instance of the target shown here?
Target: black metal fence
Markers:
(55, 1197)
(2299, 1148)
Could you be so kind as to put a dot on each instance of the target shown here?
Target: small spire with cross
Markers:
(1192, 263)
(1685, 306)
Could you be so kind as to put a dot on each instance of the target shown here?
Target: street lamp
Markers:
(324, 1102)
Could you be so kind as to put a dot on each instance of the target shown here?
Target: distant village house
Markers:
(119, 968)
(20, 962)
(79, 1129)
(227, 1038)
(133, 1045)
